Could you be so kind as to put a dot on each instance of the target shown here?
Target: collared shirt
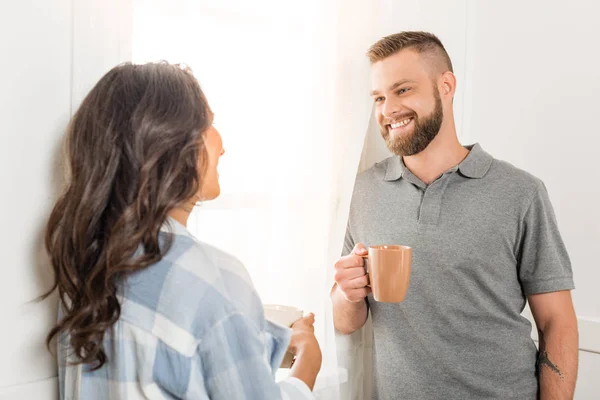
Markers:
(484, 236)
(191, 327)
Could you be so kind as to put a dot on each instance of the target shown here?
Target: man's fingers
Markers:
(359, 283)
(350, 276)
(360, 249)
(343, 276)
(350, 261)
(356, 295)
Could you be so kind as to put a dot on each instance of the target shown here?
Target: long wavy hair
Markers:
(135, 151)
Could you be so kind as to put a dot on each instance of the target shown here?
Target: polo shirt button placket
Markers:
(431, 201)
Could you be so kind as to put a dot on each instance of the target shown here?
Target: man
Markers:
(484, 239)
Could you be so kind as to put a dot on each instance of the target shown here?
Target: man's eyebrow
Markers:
(394, 86)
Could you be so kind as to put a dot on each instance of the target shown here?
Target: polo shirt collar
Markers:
(475, 165)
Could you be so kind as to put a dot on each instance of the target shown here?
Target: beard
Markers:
(424, 131)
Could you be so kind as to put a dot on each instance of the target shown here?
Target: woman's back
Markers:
(178, 333)
(146, 310)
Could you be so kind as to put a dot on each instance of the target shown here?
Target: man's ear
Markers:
(448, 84)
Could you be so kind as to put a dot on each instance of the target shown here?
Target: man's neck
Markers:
(443, 153)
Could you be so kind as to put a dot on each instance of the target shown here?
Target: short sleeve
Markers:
(348, 242)
(544, 264)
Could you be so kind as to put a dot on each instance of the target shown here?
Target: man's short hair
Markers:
(424, 43)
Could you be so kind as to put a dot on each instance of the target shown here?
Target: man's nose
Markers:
(390, 107)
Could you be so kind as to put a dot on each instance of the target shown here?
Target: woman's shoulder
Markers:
(189, 253)
(215, 274)
(205, 261)
(184, 292)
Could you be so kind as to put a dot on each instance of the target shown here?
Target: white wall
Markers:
(52, 51)
(528, 80)
(534, 78)
(35, 98)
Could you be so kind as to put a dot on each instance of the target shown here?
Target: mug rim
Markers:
(390, 247)
(281, 307)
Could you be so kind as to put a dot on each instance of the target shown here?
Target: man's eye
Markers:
(378, 99)
(403, 90)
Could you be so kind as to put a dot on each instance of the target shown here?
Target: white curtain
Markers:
(289, 84)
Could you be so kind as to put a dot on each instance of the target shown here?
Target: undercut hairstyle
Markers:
(424, 43)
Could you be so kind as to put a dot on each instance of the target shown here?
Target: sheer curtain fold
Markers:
(289, 87)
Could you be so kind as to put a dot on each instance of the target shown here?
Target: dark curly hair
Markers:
(135, 151)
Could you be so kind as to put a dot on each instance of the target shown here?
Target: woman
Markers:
(147, 311)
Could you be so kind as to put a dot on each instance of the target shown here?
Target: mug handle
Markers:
(366, 258)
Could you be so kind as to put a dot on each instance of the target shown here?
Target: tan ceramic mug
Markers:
(389, 268)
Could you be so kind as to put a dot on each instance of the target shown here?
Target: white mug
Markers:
(286, 316)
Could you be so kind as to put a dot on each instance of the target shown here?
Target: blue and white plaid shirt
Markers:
(191, 327)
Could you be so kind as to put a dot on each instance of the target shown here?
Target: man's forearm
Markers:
(558, 361)
(347, 317)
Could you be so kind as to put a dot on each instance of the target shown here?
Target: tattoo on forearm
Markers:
(543, 360)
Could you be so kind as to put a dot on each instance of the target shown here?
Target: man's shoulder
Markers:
(514, 177)
(376, 172)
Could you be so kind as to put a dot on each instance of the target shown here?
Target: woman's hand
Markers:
(305, 347)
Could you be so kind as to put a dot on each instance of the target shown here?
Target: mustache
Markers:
(398, 117)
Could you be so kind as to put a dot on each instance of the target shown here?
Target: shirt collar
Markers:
(172, 226)
(475, 165)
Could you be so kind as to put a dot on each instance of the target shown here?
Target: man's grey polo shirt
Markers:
(484, 236)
